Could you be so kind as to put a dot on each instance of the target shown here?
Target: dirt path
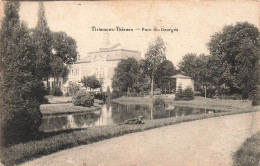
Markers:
(208, 142)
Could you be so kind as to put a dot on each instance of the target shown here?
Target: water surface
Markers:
(115, 113)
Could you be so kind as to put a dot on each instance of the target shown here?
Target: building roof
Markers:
(178, 76)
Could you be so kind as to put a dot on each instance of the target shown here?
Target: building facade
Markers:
(183, 81)
(100, 63)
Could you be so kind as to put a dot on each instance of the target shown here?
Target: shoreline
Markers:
(198, 102)
(22, 152)
(66, 108)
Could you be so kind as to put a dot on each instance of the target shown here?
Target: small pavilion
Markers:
(181, 80)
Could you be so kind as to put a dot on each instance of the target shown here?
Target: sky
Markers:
(196, 21)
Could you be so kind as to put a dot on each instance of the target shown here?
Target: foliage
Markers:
(108, 94)
(158, 102)
(249, 153)
(126, 75)
(83, 98)
(255, 96)
(58, 69)
(56, 91)
(154, 56)
(166, 68)
(235, 58)
(54, 49)
(22, 89)
(188, 94)
(178, 95)
(116, 94)
(43, 43)
(73, 89)
(64, 47)
(91, 82)
(197, 68)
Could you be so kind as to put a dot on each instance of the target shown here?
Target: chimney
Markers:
(106, 39)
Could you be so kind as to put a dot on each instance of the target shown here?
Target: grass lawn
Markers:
(63, 105)
(249, 153)
(52, 142)
(199, 102)
(51, 109)
(58, 99)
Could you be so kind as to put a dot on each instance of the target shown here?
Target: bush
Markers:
(188, 94)
(249, 153)
(55, 91)
(178, 95)
(158, 102)
(255, 96)
(73, 89)
(116, 94)
(82, 98)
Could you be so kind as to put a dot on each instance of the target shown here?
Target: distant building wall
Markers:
(100, 63)
(185, 83)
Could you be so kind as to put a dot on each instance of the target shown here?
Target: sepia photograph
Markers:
(130, 83)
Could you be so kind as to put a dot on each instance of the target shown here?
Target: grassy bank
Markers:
(199, 102)
(66, 108)
(249, 153)
(52, 143)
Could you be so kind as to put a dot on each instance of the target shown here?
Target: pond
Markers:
(115, 113)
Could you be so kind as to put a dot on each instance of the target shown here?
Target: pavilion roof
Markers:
(177, 76)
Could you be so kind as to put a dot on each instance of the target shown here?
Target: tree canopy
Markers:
(22, 89)
(91, 82)
(236, 49)
(126, 74)
(154, 56)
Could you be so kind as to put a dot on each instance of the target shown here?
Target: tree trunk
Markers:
(152, 86)
(48, 86)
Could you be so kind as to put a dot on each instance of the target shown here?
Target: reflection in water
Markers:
(115, 113)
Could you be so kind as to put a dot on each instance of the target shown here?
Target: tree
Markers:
(197, 67)
(166, 68)
(153, 57)
(43, 43)
(91, 82)
(126, 75)
(21, 88)
(236, 49)
(54, 49)
(64, 47)
(58, 69)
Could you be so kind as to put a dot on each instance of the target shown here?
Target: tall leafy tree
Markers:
(64, 47)
(43, 43)
(21, 88)
(126, 75)
(237, 50)
(154, 56)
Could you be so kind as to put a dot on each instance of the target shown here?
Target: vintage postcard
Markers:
(130, 83)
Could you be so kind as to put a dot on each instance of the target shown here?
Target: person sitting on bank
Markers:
(138, 120)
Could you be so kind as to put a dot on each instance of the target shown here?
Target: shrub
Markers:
(255, 96)
(67, 94)
(55, 91)
(178, 95)
(158, 102)
(116, 94)
(73, 89)
(249, 152)
(188, 94)
(82, 98)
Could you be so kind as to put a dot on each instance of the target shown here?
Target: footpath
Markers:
(198, 143)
